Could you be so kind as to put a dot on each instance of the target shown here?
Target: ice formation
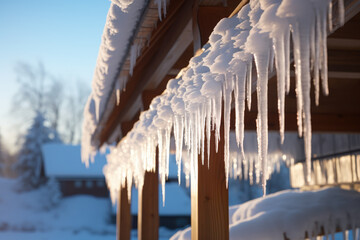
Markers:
(116, 39)
(194, 104)
(121, 22)
(293, 213)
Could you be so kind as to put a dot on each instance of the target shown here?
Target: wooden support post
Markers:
(123, 216)
(148, 208)
(209, 196)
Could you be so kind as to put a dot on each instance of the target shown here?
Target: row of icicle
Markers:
(193, 105)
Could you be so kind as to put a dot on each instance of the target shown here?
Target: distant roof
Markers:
(63, 160)
(173, 169)
(177, 201)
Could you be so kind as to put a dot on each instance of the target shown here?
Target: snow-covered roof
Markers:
(292, 213)
(117, 49)
(178, 201)
(64, 161)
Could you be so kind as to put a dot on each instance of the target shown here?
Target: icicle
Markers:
(315, 49)
(341, 12)
(259, 44)
(248, 84)
(167, 152)
(279, 50)
(330, 16)
(129, 186)
(178, 133)
(133, 56)
(164, 7)
(227, 92)
(251, 171)
(271, 60)
(202, 128)
(117, 87)
(262, 121)
(298, 89)
(159, 5)
(208, 131)
(240, 80)
(301, 46)
(217, 120)
(287, 60)
(162, 163)
(324, 57)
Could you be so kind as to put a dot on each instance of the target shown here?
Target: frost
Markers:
(241, 53)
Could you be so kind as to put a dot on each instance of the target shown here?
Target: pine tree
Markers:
(30, 161)
(2, 157)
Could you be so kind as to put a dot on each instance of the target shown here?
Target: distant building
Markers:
(63, 163)
(176, 211)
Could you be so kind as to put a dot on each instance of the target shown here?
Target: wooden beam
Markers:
(123, 216)
(126, 126)
(343, 44)
(148, 207)
(148, 95)
(320, 122)
(338, 112)
(344, 60)
(209, 196)
(353, 20)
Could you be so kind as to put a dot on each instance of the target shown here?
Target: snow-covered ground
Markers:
(30, 216)
(292, 213)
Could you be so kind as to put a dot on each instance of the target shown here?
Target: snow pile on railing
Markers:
(195, 104)
(292, 214)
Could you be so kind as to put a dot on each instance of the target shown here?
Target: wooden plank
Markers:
(209, 196)
(343, 43)
(344, 60)
(338, 112)
(320, 122)
(148, 208)
(123, 216)
(126, 126)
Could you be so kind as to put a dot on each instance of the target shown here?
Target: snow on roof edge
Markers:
(64, 161)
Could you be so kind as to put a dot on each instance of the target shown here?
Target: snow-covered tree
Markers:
(75, 102)
(2, 157)
(30, 160)
(39, 91)
(51, 194)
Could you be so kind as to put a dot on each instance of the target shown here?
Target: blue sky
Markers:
(64, 35)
